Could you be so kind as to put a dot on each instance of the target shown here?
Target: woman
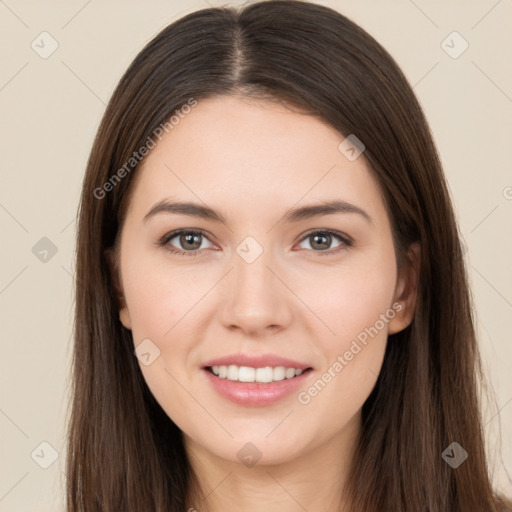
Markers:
(258, 366)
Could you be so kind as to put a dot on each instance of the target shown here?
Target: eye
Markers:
(322, 240)
(188, 239)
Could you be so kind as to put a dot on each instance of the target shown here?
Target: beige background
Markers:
(50, 112)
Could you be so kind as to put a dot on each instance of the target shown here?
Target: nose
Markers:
(258, 300)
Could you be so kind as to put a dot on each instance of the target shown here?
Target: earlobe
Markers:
(407, 291)
(124, 315)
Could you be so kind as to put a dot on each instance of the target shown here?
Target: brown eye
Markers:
(188, 242)
(321, 241)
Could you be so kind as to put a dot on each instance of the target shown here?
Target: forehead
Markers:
(249, 154)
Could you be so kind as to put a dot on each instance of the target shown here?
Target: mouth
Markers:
(258, 385)
(249, 374)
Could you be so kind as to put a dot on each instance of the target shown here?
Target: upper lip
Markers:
(256, 361)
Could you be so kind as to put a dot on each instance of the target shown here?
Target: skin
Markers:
(252, 161)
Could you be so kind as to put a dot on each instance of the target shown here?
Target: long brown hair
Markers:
(124, 452)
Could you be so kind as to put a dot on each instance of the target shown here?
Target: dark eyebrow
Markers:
(183, 208)
(324, 208)
(294, 215)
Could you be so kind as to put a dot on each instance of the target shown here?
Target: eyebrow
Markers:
(293, 215)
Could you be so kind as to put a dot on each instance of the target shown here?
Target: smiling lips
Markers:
(249, 374)
(255, 380)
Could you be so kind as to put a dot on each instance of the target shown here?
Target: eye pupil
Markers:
(325, 237)
(188, 238)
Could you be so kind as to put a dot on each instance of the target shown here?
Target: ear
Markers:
(124, 315)
(406, 290)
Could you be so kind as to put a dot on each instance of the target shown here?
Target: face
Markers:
(261, 286)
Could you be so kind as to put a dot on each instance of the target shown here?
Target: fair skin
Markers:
(252, 161)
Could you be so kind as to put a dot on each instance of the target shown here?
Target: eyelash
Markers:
(164, 241)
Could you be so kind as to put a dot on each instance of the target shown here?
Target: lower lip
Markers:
(256, 394)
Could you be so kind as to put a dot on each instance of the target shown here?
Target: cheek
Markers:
(164, 300)
(355, 307)
(157, 294)
(350, 298)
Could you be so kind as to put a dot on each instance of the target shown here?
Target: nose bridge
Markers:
(255, 300)
(252, 283)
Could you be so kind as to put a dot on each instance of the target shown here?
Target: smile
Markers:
(274, 384)
(250, 374)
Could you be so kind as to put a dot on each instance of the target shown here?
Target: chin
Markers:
(256, 447)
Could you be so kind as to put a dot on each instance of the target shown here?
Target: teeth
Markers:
(232, 372)
(249, 374)
(246, 374)
(264, 374)
(279, 373)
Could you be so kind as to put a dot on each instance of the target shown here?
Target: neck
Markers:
(312, 481)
